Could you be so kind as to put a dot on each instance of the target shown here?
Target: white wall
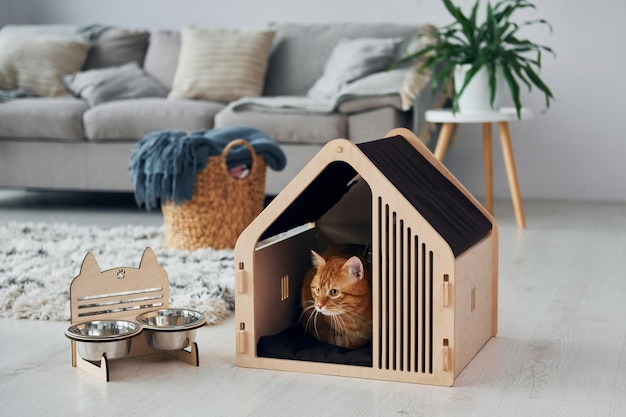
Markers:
(574, 151)
(4, 12)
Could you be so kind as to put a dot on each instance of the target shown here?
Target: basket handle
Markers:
(234, 143)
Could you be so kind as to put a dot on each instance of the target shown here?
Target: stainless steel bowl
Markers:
(170, 328)
(103, 337)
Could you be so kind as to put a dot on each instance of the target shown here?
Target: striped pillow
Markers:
(36, 64)
(221, 64)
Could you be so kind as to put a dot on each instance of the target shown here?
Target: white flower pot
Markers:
(475, 97)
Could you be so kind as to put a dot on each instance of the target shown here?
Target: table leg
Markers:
(444, 139)
(488, 161)
(509, 162)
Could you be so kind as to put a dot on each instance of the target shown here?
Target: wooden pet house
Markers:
(434, 264)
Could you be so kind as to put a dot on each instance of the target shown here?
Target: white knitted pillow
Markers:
(221, 64)
(37, 64)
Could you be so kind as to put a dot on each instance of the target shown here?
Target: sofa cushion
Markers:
(43, 118)
(132, 119)
(221, 64)
(352, 59)
(162, 56)
(300, 51)
(117, 46)
(36, 64)
(305, 128)
(118, 83)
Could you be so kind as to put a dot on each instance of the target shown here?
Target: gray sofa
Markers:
(68, 143)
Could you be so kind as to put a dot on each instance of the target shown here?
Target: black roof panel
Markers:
(436, 198)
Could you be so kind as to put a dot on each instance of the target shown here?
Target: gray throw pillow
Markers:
(162, 56)
(117, 46)
(118, 83)
(352, 59)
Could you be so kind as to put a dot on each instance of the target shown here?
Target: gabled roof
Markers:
(449, 211)
(434, 196)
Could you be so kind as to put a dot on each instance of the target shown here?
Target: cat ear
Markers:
(355, 267)
(89, 265)
(317, 259)
(148, 258)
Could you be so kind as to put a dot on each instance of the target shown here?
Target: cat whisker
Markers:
(316, 313)
(306, 309)
(339, 324)
(343, 323)
(351, 317)
(312, 317)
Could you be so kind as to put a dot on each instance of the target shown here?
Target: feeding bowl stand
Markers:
(121, 294)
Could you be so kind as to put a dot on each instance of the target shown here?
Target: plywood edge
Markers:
(445, 379)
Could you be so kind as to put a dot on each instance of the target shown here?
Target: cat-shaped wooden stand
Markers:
(121, 293)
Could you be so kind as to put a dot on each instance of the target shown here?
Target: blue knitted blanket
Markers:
(164, 164)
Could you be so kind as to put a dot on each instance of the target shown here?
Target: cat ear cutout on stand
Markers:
(89, 265)
(317, 259)
(148, 258)
(355, 267)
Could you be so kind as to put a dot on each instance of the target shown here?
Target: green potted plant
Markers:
(491, 46)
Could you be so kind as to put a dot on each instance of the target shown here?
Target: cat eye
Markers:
(317, 291)
(333, 292)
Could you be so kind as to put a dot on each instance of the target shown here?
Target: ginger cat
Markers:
(336, 300)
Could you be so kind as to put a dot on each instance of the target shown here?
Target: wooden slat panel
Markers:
(406, 270)
(391, 294)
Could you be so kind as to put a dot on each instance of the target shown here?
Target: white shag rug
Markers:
(38, 262)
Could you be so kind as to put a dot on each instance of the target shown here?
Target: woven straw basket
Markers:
(221, 207)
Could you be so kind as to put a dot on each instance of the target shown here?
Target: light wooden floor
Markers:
(560, 350)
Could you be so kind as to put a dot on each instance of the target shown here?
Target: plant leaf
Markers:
(514, 88)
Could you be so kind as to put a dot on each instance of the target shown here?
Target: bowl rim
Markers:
(71, 331)
(201, 321)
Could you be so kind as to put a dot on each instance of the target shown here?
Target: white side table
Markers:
(502, 118)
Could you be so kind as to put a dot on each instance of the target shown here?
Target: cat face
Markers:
(339, 286)
(336, 301)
